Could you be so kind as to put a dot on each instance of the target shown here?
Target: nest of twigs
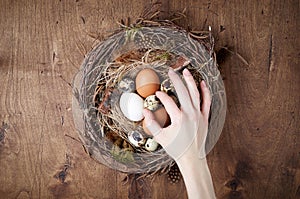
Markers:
(107, 93)
(102, 127)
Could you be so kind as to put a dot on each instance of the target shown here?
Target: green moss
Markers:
(122, 155)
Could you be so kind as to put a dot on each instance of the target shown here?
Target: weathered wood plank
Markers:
(42, 46)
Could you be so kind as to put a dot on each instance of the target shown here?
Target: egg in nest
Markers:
(147, 82)
(132, 105)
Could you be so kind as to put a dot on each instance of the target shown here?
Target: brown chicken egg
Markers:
(147, 82)
(161, 116)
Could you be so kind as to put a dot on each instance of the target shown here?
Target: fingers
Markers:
(206, 99)
(150, 124)
(192, 88)
(170, 106)
(181, 90)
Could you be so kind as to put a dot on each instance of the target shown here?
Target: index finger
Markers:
(169, 105)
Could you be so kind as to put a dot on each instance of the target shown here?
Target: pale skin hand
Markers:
(189, 117)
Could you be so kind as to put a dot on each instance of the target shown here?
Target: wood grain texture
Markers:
(42, 45)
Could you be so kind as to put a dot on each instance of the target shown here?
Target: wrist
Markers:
(197, 177)
(191, 162)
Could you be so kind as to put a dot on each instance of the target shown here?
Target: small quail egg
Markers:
(151, 103)
(127, 85)
(136, 138)
(151, 144)
(167, 86)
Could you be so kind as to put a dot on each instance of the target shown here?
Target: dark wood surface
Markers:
(42, 44)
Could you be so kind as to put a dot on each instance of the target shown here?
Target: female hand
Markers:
(189, 124)
(184, 139)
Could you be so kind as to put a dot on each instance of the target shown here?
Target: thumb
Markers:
(150, 125)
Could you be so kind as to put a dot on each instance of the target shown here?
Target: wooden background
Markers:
(42, 44)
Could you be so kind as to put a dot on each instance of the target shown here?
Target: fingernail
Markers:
(187, 72)
(203, 83)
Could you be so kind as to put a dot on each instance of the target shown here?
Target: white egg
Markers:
(132, 106)
(151, 144)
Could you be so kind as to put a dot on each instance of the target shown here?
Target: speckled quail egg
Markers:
(136, 138)
(151, 102)
(126, 85)
(167, 86)
(151, 144)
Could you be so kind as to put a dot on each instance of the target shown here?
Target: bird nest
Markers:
(102, 125)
